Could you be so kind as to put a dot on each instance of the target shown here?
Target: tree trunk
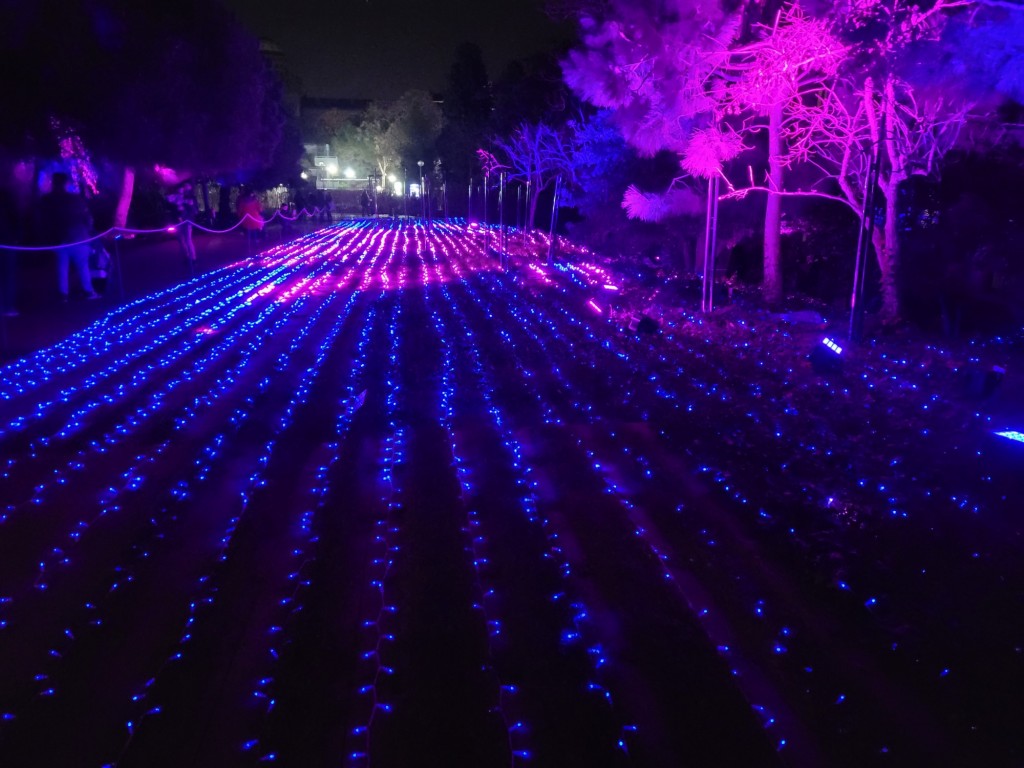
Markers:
(124, 200)
(534, 195)
(771, 288)
(889, 254)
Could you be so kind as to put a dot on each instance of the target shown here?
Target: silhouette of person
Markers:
(183, 203)
(66, 222)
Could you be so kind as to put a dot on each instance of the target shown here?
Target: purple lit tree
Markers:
(779, 82)
(679, 79)
(829, 91)
(905, 89)
(903, 98)
(538, 154)
(657, 67)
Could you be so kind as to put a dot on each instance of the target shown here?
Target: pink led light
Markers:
(594, 306)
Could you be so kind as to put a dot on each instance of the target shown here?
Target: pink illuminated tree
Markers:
(779, 84)
(912, 78)
(681, 79)
(899, 102)
(828, 92)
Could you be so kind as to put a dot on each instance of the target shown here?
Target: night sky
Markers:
(378, 49)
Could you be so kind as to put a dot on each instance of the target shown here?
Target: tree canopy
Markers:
(181, 84)
(826, 90)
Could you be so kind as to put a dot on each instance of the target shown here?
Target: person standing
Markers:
(66, 222)
(183, 203)
(250, 212)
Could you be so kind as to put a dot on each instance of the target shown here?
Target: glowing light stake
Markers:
(1012, 435)
(593, 305)
(832, 345)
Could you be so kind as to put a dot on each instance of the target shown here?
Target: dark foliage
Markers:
(466, 112)
(181, 84)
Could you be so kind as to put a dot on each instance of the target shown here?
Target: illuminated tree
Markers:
(782, 79)
(679, 80)
(911, 96)
(538, 154)
(828, 91)
(910, 81)
(403, 131)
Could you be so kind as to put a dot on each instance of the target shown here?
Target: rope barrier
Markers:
(119, 231)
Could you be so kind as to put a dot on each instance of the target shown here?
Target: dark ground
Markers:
(366, 498)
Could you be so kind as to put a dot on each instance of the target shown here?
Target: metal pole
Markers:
(526, 210)
(554, 222)
(519, 205)
(501, 220)
(711, 241)
(190, 257)
(487, 231)
(423, 192)
(117, 267)
(705, 301)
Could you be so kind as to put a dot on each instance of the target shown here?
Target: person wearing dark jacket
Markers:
(65, 222)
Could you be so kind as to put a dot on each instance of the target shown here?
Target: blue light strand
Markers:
(517, 731)
(306, 552)
(257, 480)
(209, 455)
(382, 621)
(638, 520)
(577, 629)
(123, 575)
